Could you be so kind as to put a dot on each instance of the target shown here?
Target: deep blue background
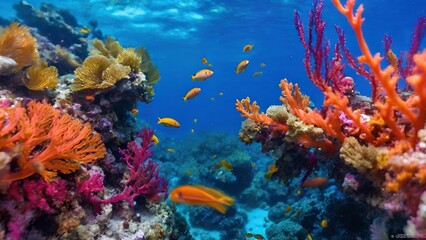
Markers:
(179, 33)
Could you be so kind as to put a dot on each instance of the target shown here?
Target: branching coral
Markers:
(42, 140)
(17, 43)
(41, 76)
(410, 108)
(143, 176)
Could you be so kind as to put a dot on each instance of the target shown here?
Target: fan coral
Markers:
(40, 76)
(17, 43)
(98, 72)
(42, 140)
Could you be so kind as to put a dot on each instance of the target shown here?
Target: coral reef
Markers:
(381, 160)
(58, 147)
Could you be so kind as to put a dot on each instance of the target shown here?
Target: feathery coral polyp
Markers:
(44, 141)
(17, 43)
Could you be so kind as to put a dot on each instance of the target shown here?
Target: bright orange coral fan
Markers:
(409, 108)
(44, 141)
(17, 43)
(251, 111)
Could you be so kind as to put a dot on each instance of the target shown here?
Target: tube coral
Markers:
(44, 141)
(17, 43)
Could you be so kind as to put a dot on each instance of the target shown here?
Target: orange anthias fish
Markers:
(248, 47)
(271, 170)
(202, 75)
(192, 94)
(314, 182)
(242, 66)
(135, 111)
(201, 196)
(168, 122)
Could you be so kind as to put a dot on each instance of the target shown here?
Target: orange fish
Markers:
(202, 75)
(90, 98)
(192, 94)
(168, 122)
(314, 182)
(201, 196)
(204, 60)
(271, 170)
(242, 66)
(248, 47)
(134, 111)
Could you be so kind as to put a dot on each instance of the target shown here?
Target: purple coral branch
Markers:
(317, 52)
(418, 34)
(143, 178)
(354, 64)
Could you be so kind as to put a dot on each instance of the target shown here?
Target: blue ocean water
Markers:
(178, 33)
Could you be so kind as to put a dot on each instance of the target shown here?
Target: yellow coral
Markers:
(359, 157)
(111, 48)
(129, 57)
(17, 43)
(97, 72)
(41, 76)
(148, 67)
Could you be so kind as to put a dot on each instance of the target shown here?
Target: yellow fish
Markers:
(242, 66)
(248, 47)
(221, 94)
(171, 150)
(192, 130)
(84, 30)
(263, 65)
(202, 196)
(204, 60)
(189, 173)
(202, 75)
(257, 74)
(299, 192)
(258, 236)
(309, 237)
(209, 65)
(192, 94)
(324, 223)
(195, 120)
(155, 140)
(223, 163)
(249, 235)
(288, 209)
(168, 122)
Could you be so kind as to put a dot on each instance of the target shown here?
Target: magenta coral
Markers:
(27, 199)
(143, 180)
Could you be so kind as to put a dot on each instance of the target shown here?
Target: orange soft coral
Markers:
(44, 141)
(17, 43)
(251, 111)
(298, 105)
(388, 78)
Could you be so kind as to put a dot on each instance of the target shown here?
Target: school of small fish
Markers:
(209, 197)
